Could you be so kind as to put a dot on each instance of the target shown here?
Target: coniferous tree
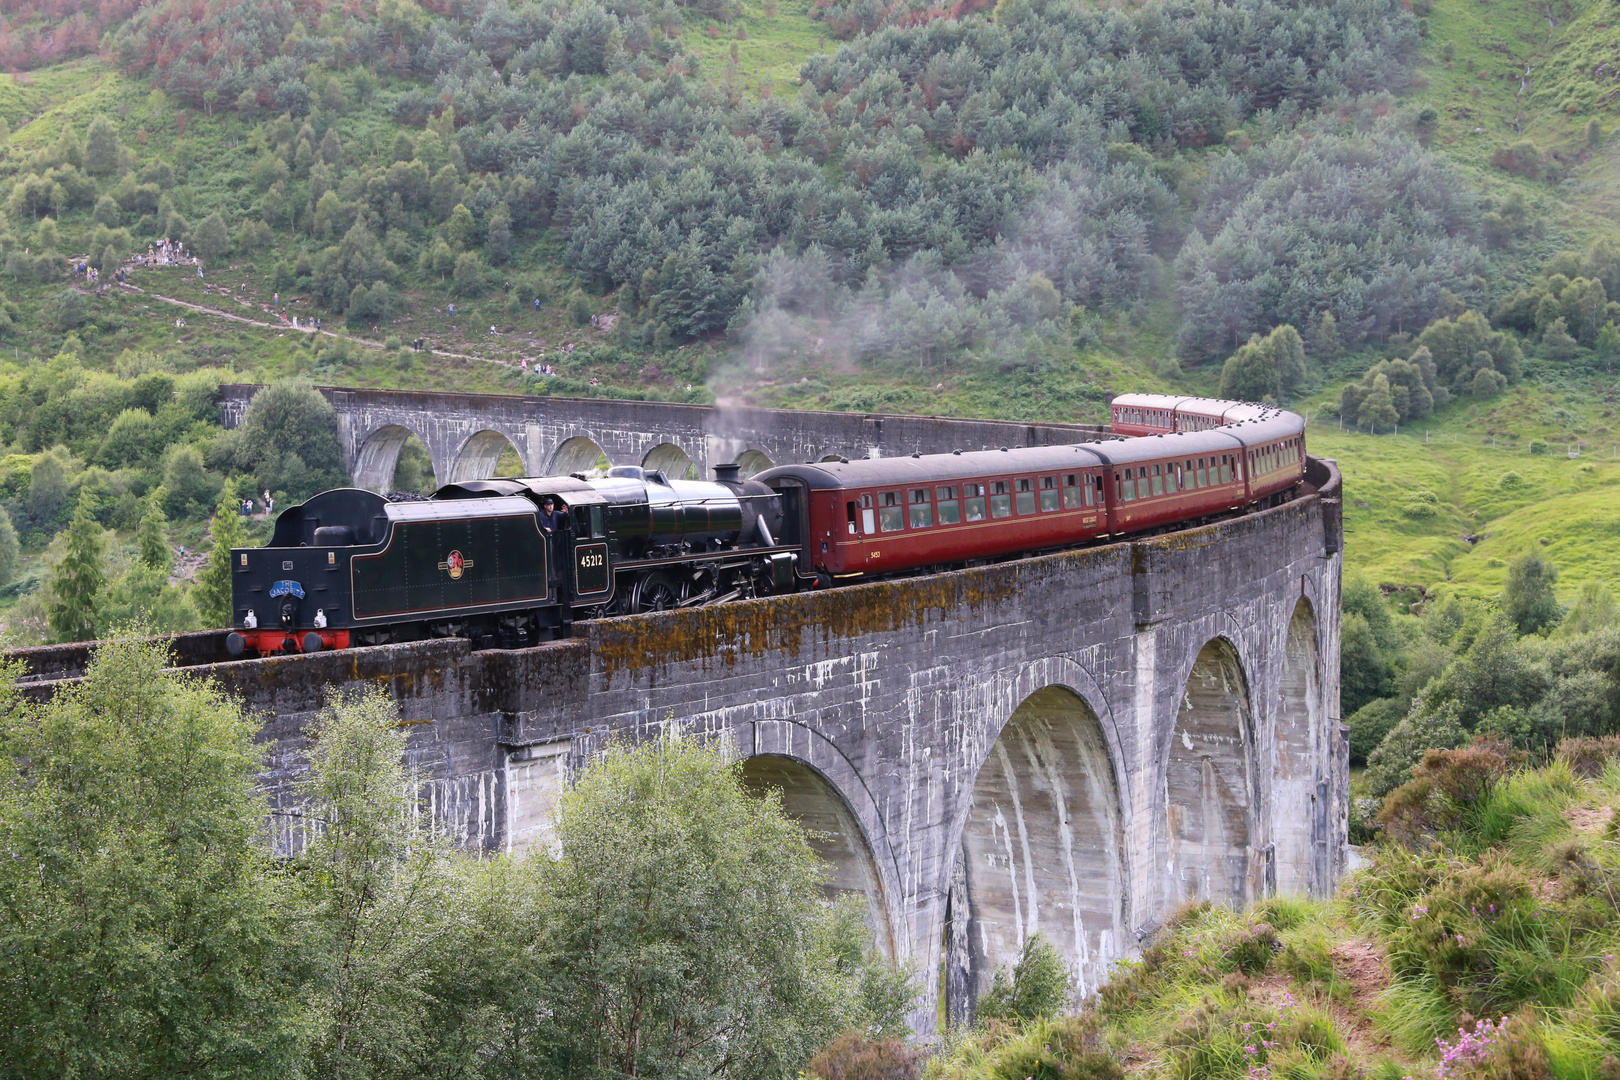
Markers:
(152, 539)
(1556, 341)
(79, 580)
(214, 583)
(1326, 343)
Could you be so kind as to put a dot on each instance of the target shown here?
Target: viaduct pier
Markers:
(1074, 744)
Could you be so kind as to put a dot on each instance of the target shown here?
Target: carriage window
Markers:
(1026, 496)
(1158, 482)
(1071, 492)
(1203, 473)
(974, 503)
(891, 515)
(950, 511)
(1226, 469)
(1049, 493)
(1127, 486)
(922, 511)
(1000, 499)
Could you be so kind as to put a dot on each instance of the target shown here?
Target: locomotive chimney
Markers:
(728, 474)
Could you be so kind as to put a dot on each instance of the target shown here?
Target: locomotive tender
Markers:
(476, 560)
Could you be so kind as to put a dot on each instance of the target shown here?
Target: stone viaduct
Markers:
(1073, 744)
(465, 434)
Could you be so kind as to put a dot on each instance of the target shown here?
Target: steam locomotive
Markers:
(481, 560)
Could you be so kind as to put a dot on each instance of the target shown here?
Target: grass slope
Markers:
(1508, 499)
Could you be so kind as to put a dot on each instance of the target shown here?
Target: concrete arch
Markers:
(1042, 849)
(750, 462)
(1298, 733)
(379, 456)
(809, 798)
(801, 743)
(477, 458)
(579, 454)
(670, 460)
(1207, 835)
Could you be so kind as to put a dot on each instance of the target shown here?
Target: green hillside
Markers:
(1490, 503)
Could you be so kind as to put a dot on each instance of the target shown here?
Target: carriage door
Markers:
(860, 526)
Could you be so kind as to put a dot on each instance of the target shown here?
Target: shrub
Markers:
(1484, 936)
(1537, 446)
(1588, 756)
(1421, 504)
(1246, 1038)
(1070, 1047)
(1529, 598)
(468, 276)
(1253, 947)
(1522, 158)
(1443, 787)
(580, 309)
(63, 310)
(1038, 985)
(1370, 723)
(1390, 765)
(854, 1056)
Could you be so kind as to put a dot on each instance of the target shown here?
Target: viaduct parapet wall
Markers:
(1073, 744)
(465, 434)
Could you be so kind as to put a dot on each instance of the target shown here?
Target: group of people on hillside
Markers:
(245, 507)
(168, 252)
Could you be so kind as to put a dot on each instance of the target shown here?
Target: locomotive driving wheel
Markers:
(656, 592)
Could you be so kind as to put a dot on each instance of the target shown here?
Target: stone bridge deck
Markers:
(465, 434)
(1072, 744)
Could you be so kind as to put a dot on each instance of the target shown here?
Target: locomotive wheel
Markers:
(656, 593)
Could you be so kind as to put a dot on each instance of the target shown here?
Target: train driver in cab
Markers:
(552, 523)
(551, 519)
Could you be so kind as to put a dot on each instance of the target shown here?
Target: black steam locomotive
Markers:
(350, 567)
